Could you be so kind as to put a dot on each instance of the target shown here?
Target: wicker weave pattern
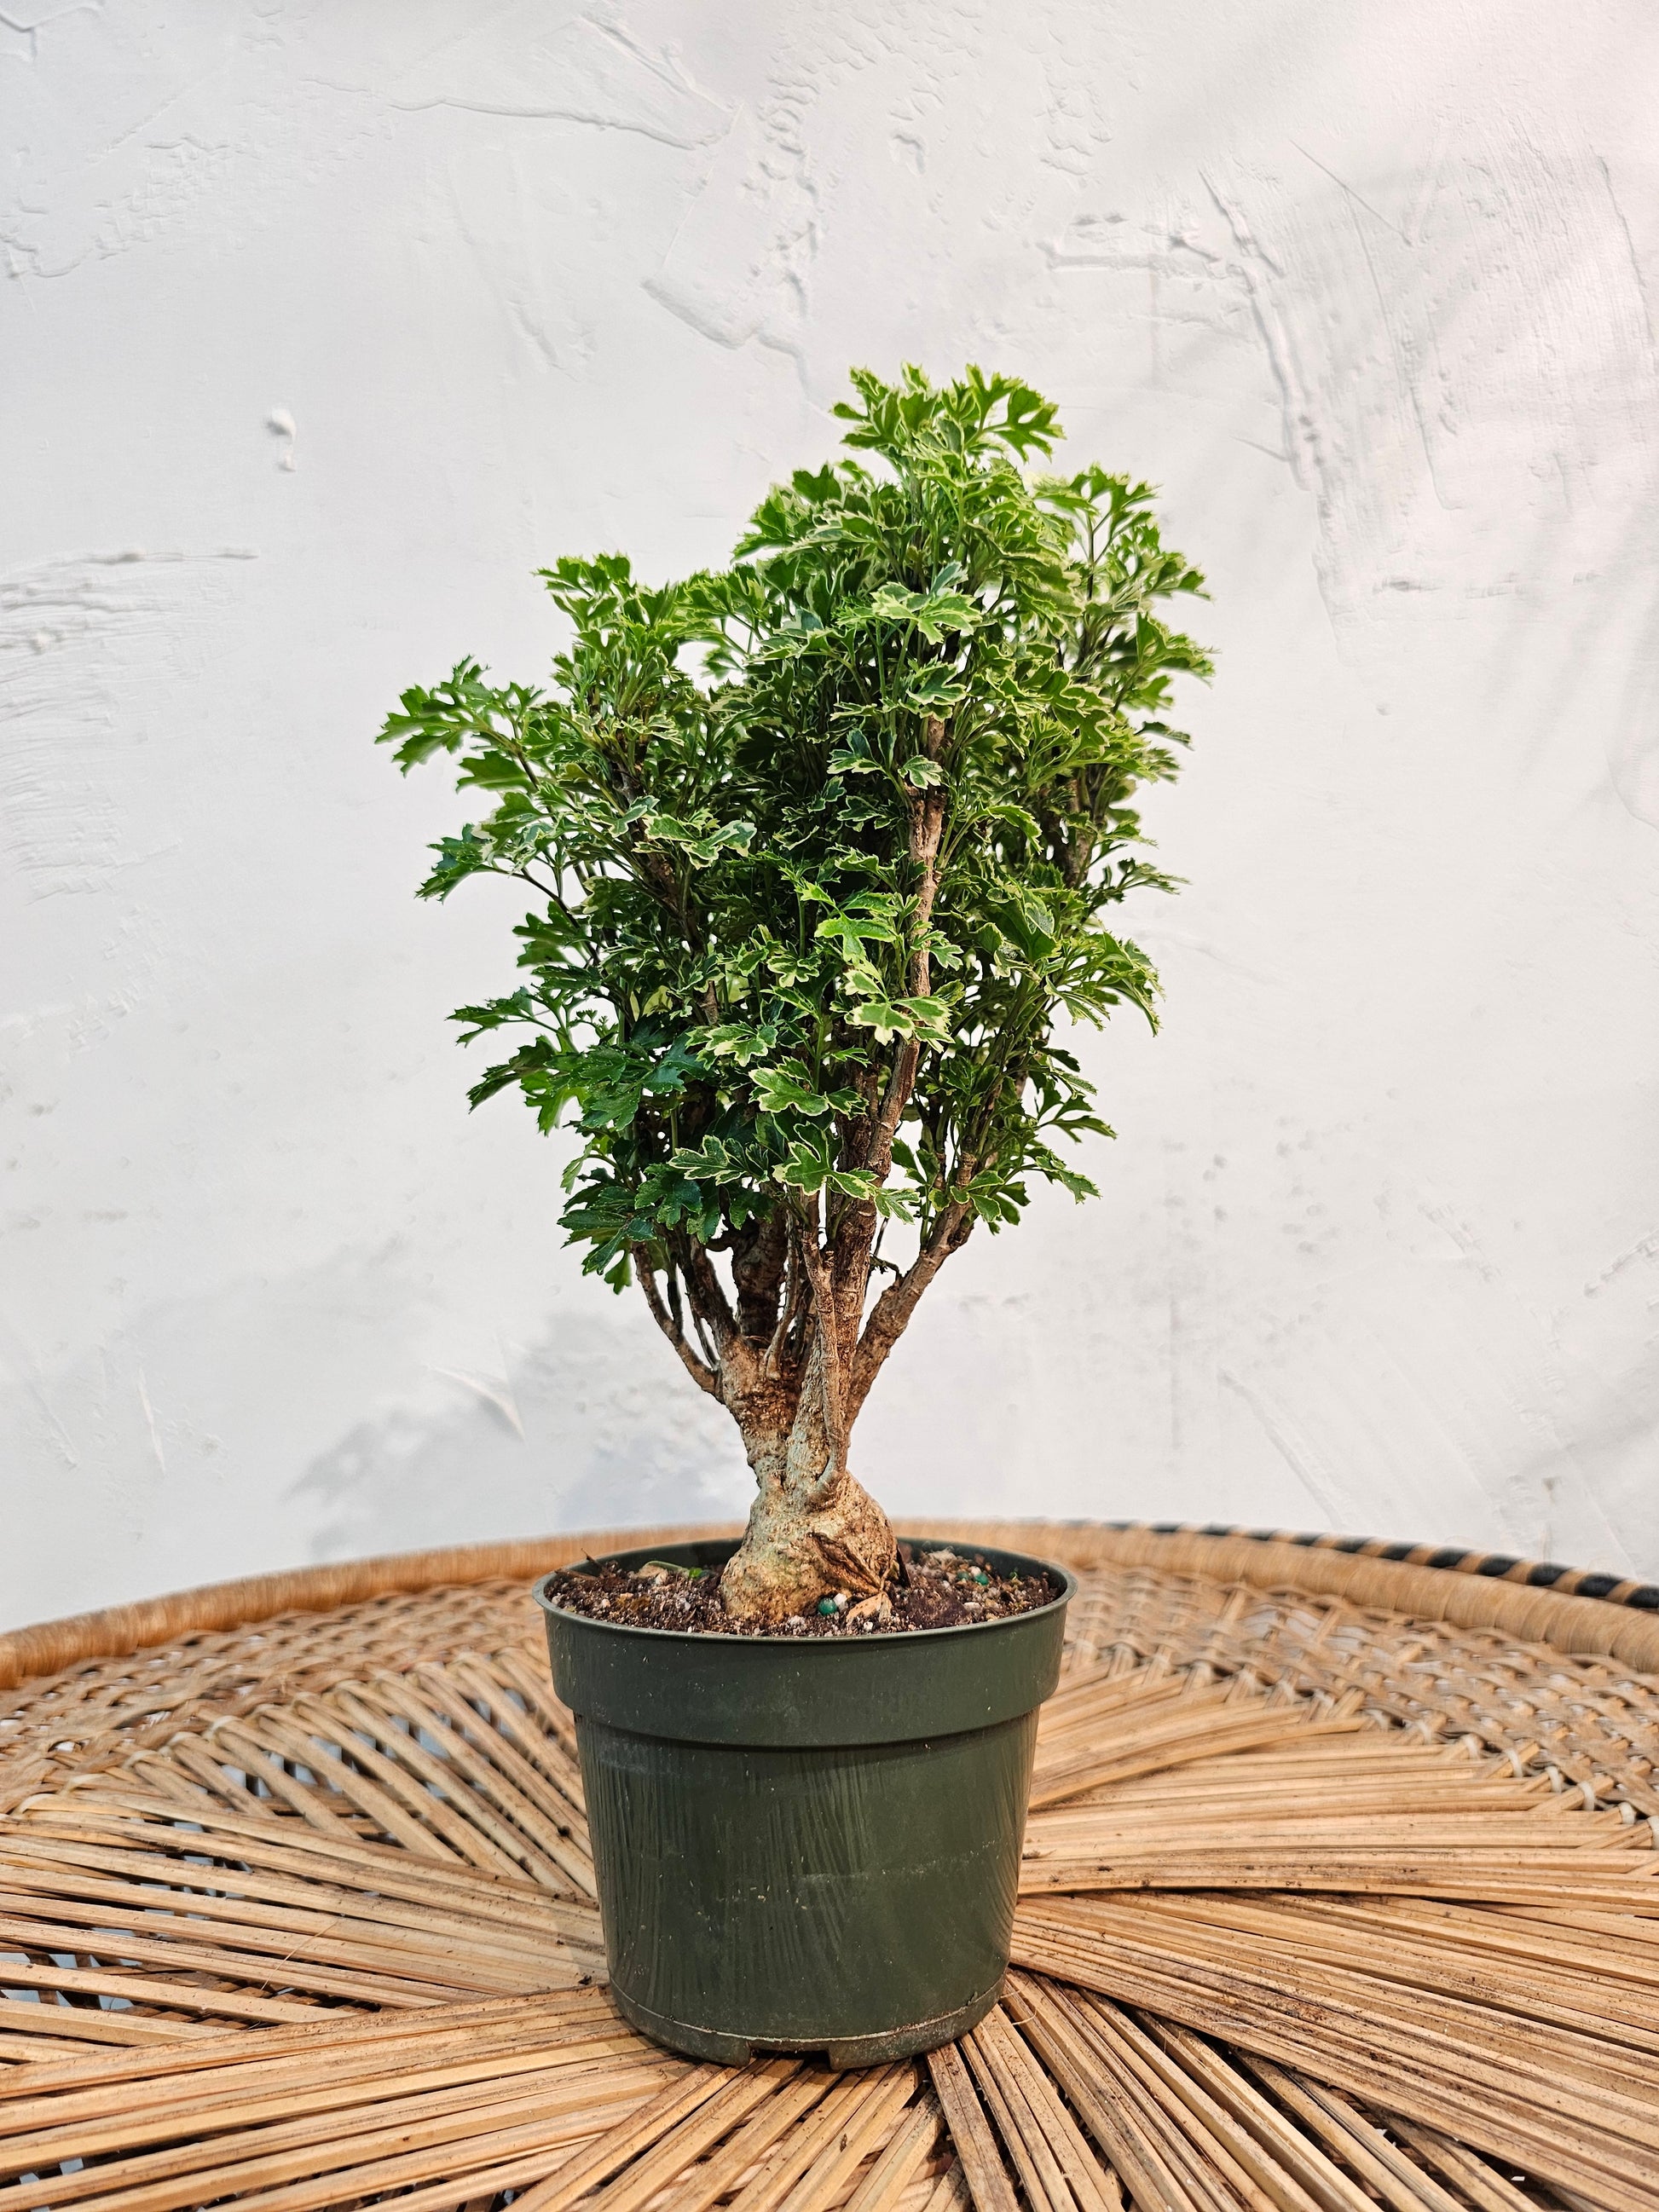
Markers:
(1592, 1721)
(1588, 1720)
(1322, 1905)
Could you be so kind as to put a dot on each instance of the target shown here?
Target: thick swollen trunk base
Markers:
(795, 1553)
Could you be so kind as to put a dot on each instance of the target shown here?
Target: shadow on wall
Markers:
(571, 1438)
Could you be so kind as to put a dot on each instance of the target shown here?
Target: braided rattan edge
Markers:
(1461, 1594)
(1496, 1566)
(1462, 1590)
(50, 1646)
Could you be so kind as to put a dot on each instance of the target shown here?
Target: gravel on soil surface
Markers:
(934, 1589)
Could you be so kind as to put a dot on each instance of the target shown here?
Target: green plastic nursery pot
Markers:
(812, 1844)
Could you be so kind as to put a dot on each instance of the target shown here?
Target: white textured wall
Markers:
(1366, 290)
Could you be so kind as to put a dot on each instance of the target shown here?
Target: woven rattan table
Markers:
(1340, 1890)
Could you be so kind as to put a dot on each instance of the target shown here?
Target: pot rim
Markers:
(725, 1639)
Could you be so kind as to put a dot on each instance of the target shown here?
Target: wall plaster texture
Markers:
(324, 324)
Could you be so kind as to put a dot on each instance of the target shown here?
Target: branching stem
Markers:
(703, 1375)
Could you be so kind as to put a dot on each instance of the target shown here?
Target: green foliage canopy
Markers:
(832, 834)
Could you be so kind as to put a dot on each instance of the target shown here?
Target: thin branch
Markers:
(760, 1255)
(794, 1277)
(549, 891)
(544, 890)
(890, 1314)
(857, 1229)
(706, 1344)
(829, 1359)
(706, 1291)
(927, 809)
(703, 1375)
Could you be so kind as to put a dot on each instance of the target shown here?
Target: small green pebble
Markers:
(828, 1605)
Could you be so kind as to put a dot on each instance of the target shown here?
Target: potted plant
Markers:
(822, 846)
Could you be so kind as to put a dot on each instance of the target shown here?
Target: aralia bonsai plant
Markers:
(824, 847)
